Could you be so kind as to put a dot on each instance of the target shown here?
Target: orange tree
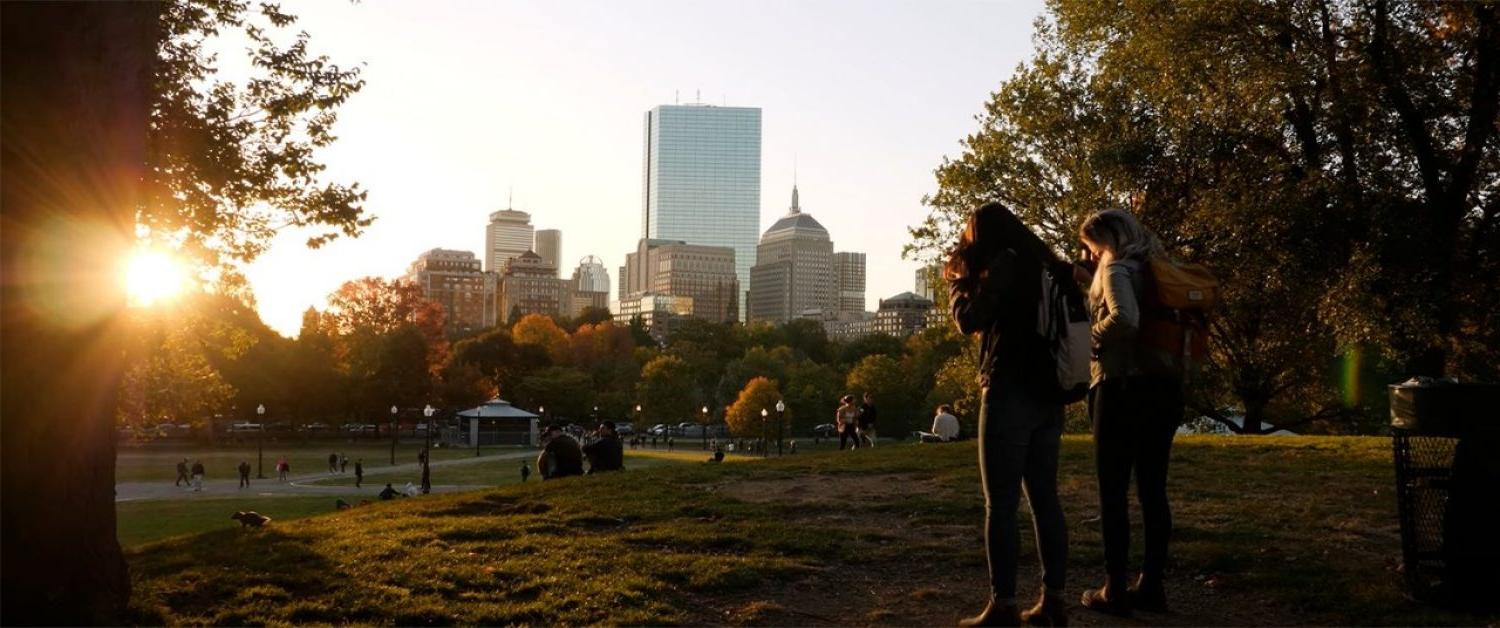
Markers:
(743, 416)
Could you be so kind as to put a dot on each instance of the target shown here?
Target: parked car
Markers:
(625, 428)
(366, 428)
(660, 429)
(316, 427)
(825, 430)
(245, 427)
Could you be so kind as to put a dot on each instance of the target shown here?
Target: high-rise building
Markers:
(658, 312)
(508, 235)
(591, 276)
(849, 282)
(454, 280)
(926, 278)
(529, 285)
(701, 178)
(793, 273)
(589, 287)
(902, 315)
(548, 244)
(704, 274)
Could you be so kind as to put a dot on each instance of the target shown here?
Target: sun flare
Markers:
(153, 277)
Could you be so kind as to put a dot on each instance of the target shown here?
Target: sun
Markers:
(153, 277)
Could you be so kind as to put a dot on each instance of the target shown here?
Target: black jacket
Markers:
(1001, 307)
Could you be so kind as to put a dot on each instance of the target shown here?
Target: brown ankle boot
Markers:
(1149, 595)
(1051, 610)
(1110, 599)
(996, 613)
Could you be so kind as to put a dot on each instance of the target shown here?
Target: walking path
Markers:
(300, 485)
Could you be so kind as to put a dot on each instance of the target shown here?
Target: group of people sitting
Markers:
(562, 455)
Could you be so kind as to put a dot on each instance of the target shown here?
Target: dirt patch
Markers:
(824, 489)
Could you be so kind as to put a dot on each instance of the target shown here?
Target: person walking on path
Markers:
(846, 419)
(333, 464)
(343, 463)
(866, 421)
(244, 469)
(1134, 414)
(197, 475)
(283, 468)
(359, 472)
(995, 276)
(422, 456)
(182, 474)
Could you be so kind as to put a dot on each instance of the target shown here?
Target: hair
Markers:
(991, 229)
(945, 409)
(1118, 230)
(847, 399)
(869, 395)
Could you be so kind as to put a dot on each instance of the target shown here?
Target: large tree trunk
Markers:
(77, 80)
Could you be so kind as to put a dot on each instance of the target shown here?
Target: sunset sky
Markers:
(468, 100)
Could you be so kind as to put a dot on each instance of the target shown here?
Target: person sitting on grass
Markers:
(718, 453)
(944, 427)
(561, 456)
(606, 453)
(388, 493)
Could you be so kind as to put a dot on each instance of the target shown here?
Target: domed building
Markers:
(793, 274)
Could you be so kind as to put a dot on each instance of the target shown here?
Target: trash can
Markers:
(1446, 439)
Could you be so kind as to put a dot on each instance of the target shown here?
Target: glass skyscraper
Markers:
(702, 179)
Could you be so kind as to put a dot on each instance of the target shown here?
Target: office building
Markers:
(902, 315)
(658, 312)
(529, 285)
(927, 279)
(701, 178)
(548, 244)
(849, 282)
(704, 274)
(454, 280)
(508, 235)
(793, 274)
(589, 287)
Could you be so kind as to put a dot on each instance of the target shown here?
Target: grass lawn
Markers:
(1269, 531)
(153, 462)
(141, 522)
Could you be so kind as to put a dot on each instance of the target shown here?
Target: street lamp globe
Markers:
(637, 407)
(780, 406)
(260, 410)
(428, 411)
(394, 410)
(764, 413)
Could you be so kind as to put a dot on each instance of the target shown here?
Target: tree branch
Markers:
(1413, 123)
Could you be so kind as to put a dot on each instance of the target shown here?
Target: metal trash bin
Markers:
(1446, 439)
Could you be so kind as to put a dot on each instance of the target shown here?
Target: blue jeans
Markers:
(1018, 441)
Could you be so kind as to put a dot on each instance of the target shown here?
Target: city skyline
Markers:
(860, 131)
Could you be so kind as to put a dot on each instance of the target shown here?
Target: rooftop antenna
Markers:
(698, 95)
(676, 97)
(510, 197)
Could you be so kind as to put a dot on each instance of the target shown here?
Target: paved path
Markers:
(301, 485)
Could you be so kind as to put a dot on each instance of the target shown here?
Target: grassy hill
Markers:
(1268, 531)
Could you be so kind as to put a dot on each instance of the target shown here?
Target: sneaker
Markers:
(996, 613)
(1110, 600)
(1050, 610)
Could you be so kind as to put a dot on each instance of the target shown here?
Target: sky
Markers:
(467, 103)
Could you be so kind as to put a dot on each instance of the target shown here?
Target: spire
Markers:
(796, 209)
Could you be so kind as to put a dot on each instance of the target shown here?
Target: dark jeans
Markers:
(849, 433)
(1018, 438)
(1134, 420)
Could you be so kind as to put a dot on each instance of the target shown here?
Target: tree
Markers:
(590, 316)
(1333, 162)
(883, 377)
(542, 331)
(171, 381)
(955, 385)
(743, 416)
(666, 390)
(851, 352)
(75, 117)
(812, 393)
(563, 391)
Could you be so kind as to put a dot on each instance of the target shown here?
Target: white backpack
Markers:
(1062, 320)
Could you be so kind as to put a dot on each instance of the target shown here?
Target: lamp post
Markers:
(394, 410)
(780, 423)
(260, 443)
(427, 451)
(704, 433)
(763, 415)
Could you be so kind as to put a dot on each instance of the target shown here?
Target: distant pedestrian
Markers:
(671, 442)
(525, 471)
(182, 474)
(359, 472)
(422, 456)
(244, 474)
(791, 446)
(343, 463)
(197, 475)
(846, 419)
(333, 464)
(283, 468)
(866, 420)
(653, 441)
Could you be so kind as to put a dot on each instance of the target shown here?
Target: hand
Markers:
(1083, 272)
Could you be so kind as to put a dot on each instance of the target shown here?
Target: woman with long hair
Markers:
(994, 277)
(1134, 410)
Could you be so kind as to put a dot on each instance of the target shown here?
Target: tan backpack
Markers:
(1173, 336)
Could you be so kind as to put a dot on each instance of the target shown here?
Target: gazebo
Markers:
(496, 422)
